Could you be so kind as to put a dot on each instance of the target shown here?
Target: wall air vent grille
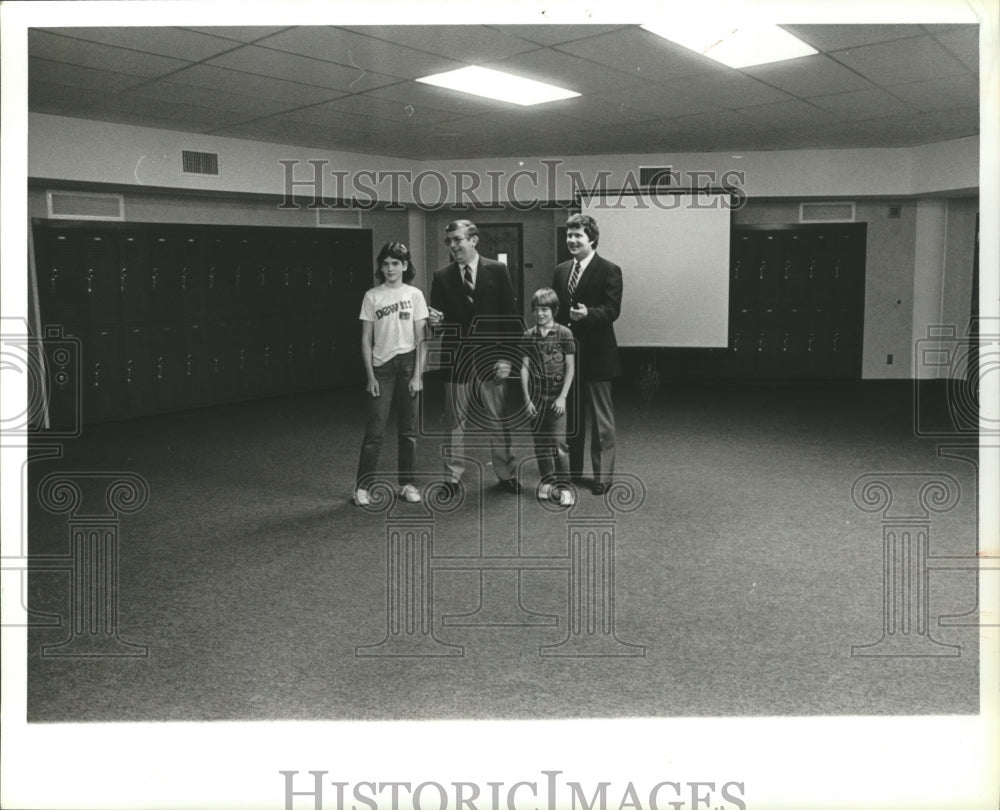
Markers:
(84, 205)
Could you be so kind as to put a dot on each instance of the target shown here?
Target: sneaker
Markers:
(567, 498)
(544, 492)
(410, 494)
(361, 497)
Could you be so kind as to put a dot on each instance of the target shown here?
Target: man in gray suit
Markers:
(590, 300)
(473, 307)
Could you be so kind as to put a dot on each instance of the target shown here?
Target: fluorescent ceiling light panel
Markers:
(738, 46)
(482, 81)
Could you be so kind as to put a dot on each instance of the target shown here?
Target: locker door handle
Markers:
(211, 278)
(90, 279)
(53, 277)
(215, 365)
(97, 375)
(184, 278)
(122, 275)
(128, 371)
(159, 367)
(153, 278)
(187, 366)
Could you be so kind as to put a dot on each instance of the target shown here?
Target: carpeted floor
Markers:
(745, 576)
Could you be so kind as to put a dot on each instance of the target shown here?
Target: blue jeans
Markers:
(393, 381)
(549, 432)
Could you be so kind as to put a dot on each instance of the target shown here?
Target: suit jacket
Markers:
(475, 337)
(600, 290)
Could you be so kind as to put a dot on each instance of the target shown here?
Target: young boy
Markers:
(549, 363)
(393, 317)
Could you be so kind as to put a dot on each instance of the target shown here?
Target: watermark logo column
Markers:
(93, 560)
(906, 501)
(591, 600)
(409, 580)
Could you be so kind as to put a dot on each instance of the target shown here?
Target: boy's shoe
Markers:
(361, 497)
(410, 494)
(567, 498)
(544, 492)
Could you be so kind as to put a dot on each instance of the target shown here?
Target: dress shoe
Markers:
(600, 489)
(511, 485)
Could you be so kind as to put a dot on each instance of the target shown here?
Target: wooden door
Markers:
(505, 243)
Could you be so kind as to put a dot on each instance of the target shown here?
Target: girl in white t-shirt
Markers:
(393, 318)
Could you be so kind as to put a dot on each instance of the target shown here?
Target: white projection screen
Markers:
(673, 249)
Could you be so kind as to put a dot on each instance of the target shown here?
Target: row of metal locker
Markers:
(103, 275)
(150, 336)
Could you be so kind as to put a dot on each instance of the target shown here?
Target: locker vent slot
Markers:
(337, 218)
(826, 212)
(655, 176)
(84, 205)
(200, 162)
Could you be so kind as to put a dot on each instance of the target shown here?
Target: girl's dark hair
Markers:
(395, 250)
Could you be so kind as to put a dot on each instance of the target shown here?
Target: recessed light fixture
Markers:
(737, 46)
(495, 84)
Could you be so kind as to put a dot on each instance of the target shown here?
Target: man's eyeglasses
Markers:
(454, 240)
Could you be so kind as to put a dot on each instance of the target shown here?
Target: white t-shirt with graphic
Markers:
(393, 312)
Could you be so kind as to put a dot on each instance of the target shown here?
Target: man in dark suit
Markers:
(473, 309)
(590, 300)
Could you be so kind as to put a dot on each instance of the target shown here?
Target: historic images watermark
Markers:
(544, 792)
(951, 369)
(93, 501)
(521, 190)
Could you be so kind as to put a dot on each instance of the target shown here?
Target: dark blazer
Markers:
(600, 290)
(475, 337)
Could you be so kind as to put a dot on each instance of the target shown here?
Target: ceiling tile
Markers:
(639, 53)
(661, 101)
(239, 33)
(466, 43)
(939, 94)
(178, 43)
(233, 81)
(102, 57)
(731, 89)
(437, 97)
(816, 75)
(250, 106)
(130, 101)
(61, 73)
(787, 114)
(365, 104)
(838, 37)
(290, 66)
(557, 34)
(905, 60)
(604, 110)
(563, 70)
(863, 104)
(362, 53)
(963, 44)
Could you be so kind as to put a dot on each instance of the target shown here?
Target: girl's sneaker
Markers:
(361, 497)
(544, 492)
(410, 494)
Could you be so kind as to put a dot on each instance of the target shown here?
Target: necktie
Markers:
(574, 279)
(470, 288)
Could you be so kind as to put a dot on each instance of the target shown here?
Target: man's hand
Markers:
(434, 316)
(578, 312)
(502, 371)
